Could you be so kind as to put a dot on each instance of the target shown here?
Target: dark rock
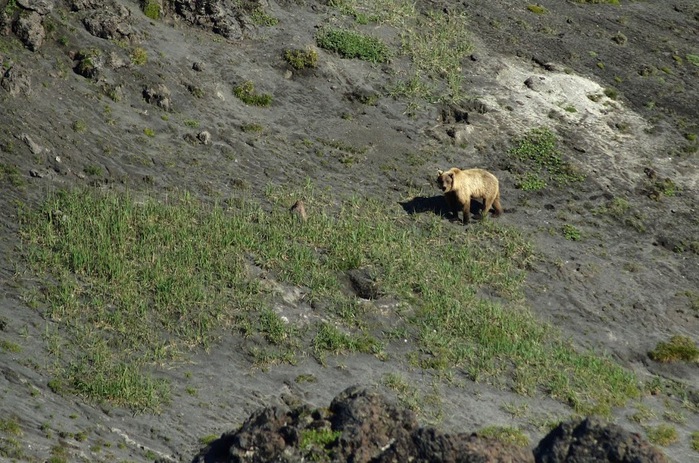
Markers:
(535, 83)
(43, 7)
(362, 426)
(364, 283)
(159, 96)
(590, 440)
(30, 31)
(109, 22)
(16, 81)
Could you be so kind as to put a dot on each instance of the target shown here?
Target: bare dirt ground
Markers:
(616, 83)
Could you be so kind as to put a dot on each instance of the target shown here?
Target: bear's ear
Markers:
(439, 173)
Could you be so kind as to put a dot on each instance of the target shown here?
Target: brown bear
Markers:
(459, 186)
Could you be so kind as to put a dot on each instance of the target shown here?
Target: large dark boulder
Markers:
(362, 426)
(591, 441)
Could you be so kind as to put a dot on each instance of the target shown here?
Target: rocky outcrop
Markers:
(362, 426)
(590, 440)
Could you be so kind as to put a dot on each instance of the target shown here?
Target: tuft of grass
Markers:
(541, 162)
(93, 170)
(679, 348)
(260, 17)
(571, 232)
(351, 44)
(10, 426)
(9, 346)
(139, 56)
(694, 59)
(537, 9)
(301, 59)
(137, 283)
(663, 434)
(79, 126)
(611, 93)
(206, 440)
(506, 434)
(694, 438)
(246, 93)
(151, 8)
(315, 443)
(149, 132)
(11, 174)
(252, 127)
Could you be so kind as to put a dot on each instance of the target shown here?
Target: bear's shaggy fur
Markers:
(459, 186)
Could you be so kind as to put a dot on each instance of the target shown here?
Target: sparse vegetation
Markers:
(571, 232)
(247, 94)
(11, 174)
(536, 8)
(663, 434)
(351, 44)
(695, 440)
(79, 126)
(99, 248)
(679, 348)
(151, 8)
(139, 56)
(694, 59)
(314, 443)
(505, 434)
(537, 161)
(301, 59)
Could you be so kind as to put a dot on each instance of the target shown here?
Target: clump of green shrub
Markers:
(678, 348)
(539, 161)
(351, 44)
(538, 9)
(663, 434)
(151, 8)
(246, 93)
(301, 59)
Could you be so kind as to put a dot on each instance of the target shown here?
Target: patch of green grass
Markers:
(694, 59)
(537, 156)
(79, 126)
(247, 94)
(9, 346)
(694, 441)
(206, 440)
(11, 174)
(407, 393)
(11, 448)
(260, 17)
(571, 232)
(537, 9)
(10, 426)
(437, 45)
(191, 123)
(151, 8)
(93, 170)
(679, 348)
(611, 93)
(663, 434)
(314, 443)
(301, 59)
(351, 44)
(252, 127)
(138, 283)
(149, 132)
(506, 434)
(139, 56)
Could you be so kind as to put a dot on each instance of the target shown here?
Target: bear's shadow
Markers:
(437, 205)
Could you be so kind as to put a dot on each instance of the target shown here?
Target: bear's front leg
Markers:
(467, 211)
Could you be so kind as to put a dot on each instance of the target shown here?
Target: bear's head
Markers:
(445, 180)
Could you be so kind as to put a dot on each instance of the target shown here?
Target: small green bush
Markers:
(678, 348)
(301, 59)
(538, 9)
(571, 232)
(139, 56)
(663, 434)
(151, 8)
(246, 93)
(350, 44)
